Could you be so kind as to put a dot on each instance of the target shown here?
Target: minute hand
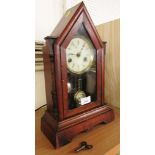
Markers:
(82, 48)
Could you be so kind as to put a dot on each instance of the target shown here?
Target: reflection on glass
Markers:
(81, 66)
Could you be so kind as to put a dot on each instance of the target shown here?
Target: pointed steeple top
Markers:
(66, 19)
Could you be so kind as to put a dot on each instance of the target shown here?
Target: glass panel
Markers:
(81, 68)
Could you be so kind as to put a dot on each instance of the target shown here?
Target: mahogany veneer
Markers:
(59, 123)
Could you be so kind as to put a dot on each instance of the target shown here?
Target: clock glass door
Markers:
(81, 70)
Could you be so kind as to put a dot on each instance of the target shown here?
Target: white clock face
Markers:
(80, 55)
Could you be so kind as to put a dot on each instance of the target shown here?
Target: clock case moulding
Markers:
(59, 125)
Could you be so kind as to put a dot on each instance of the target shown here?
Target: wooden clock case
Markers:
(58, 123)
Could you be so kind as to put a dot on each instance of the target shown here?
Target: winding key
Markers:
(83, 146)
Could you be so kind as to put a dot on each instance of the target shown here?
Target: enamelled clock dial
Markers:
(79, 55)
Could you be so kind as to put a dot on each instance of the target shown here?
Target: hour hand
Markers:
(71, 54)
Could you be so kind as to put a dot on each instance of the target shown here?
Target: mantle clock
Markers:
(74, 78)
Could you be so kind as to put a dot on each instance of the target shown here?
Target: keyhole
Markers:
(69, 60)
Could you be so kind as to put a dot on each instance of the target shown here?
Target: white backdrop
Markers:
(47, 15)
(49, 12)
(101, 11)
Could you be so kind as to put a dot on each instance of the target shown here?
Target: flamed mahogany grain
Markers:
(60, 127)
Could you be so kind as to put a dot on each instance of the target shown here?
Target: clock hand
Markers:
(82, 48)
(71, 54)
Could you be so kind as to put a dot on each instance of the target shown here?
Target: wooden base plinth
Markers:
(61, 133)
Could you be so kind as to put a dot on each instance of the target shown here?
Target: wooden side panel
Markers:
(110, 32)
(48, 77)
